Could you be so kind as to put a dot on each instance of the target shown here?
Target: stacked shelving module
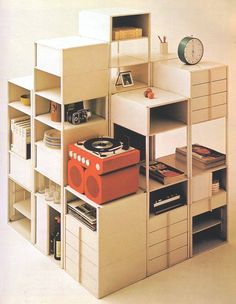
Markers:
(167, 233)
(21, 208)
(68, 70)
(205, 85)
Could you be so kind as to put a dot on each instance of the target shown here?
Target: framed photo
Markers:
(126, 79)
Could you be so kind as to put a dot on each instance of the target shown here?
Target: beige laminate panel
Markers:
(200, 207)
(198, 77)
(200, 90)
(177, 229)
(157, 222)
(199, 103)
(72, 240)
(200, 186)
(218, 111)
(177, 215)
(218, 73)
(90, 253)
(200, 115)
(72, 269)
(219, 199)
(157, 264)
(178, 241)
(157, 236)
(89, 283)
(218, 86)
(72, 254)
(157, 250)
(122, 273)
(178, 255)
(218, 99)
(90, 268)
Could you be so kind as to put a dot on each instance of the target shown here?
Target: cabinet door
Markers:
(42, 227)
(201, 187)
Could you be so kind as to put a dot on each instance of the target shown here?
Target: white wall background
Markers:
(24, 21)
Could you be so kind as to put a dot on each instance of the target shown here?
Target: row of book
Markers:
(21, 136)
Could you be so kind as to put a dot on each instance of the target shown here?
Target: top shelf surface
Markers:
(161, 97)
(203, 65)
(62, 43)
(117, 11)
(26, 82)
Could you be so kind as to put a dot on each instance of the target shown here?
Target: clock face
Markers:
(190, 50)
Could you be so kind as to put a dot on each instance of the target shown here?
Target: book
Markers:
(162, 172)
(202, 157)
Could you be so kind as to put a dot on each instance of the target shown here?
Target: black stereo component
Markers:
(76, 117)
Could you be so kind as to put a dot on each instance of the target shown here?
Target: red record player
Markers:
(103, 168)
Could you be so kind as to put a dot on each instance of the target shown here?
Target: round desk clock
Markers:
(190, 50)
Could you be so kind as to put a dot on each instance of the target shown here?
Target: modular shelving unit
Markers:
(130, 241)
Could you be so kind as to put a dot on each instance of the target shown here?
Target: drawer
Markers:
(72, 240)
(177, 229)
(200, 207)
(219, 199)
(218, 86)
(157, 222)
(218, 73)
(218, 111)
(21, 170)
(89, 283)
(178, 241)
(218, 99)
(199, 77)
(72, 269)
(72, 254)
(178, 255)
(200, 90)
(157, 236)
(200, 115)
(157, 264)
(177, 215)
(90, 253)
(200, 103)
(201, 185)
(86, 235)
(157, 250)
(90, 268)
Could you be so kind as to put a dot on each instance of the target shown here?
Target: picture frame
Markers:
(125, 78)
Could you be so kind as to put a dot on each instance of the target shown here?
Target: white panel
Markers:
(42, 227)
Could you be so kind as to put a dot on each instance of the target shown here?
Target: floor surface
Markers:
(27, 276)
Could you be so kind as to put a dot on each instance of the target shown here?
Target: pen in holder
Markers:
(163, 46)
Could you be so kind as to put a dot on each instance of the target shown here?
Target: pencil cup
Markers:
(163, 48)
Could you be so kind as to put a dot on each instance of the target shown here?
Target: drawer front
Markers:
(157, 250)
(157, 264)
(200, 115)
(178, 228)
(158, 222)
(89, 283)
(200, 206)
(218, 99)
(90, 268)
(72, 254)
(72, 240)
(219, 199)
(87, 236)
(200, 90)
(90, 253)
(177, 215)
(178, 255)
(199, 77)
(157, 236)
(218, 73)
(199, 103)
(218, 86)
(218, 111)
(72, 269)
(178, 241)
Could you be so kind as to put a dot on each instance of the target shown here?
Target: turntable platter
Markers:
(104, 144)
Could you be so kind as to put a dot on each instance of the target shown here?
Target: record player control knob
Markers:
(97, 167)
(83, 160)
(75, 155)
(70, 154)
(79, 157)
(87, 162)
